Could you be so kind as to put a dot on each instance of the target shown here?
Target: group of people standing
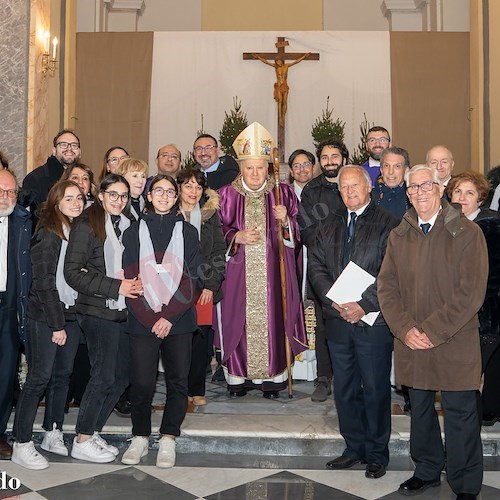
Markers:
(127, 263)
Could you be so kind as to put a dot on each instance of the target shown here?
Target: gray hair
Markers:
(360, 169)
(423, 168)
(396, 151)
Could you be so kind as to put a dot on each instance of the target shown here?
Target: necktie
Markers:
(352, 226)
(115, 219)
(425, 227)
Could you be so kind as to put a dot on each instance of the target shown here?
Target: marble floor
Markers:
(218, 474)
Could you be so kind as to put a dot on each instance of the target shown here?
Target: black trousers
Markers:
(462, 430)
(9, 352)
(361, 360)
(323, 362)
(490, 396)
(199, 360)
(145, 350)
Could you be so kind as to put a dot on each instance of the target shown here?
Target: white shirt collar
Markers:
(373, 163)
(358, 212)
(474, 214)
(253, 190)
(213, 168)
(431, 221)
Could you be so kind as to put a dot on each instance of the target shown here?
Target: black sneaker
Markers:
(123, 408)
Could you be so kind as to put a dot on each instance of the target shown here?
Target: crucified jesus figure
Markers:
(281, 86)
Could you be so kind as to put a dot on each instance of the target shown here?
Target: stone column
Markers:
(14, 43)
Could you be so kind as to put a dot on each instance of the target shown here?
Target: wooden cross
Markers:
(281, 88)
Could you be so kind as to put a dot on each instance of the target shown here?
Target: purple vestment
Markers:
(233, 306)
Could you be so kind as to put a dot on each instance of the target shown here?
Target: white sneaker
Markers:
(104, 444)
(91, 452)
(166, 453)
(138, 448)
(53, 441)
(25, 454)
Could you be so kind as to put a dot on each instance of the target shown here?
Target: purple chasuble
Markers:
(233, 306)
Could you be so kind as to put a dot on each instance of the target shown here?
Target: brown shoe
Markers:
(5, 450)
(199, 400)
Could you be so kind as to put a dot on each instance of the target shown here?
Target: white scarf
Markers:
(113, 250)
(194, 218)
(160, 281)
(66, 294)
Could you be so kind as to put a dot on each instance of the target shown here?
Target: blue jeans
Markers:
(108, 347)
(49, 367)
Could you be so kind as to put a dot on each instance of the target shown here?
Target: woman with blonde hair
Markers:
(135, 172)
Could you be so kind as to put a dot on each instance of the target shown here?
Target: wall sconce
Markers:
(48, 62)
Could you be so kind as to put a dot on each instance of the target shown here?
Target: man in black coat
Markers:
(320, 197)
(37, 183)
(219, 171)
(360, 353)
(15, 282)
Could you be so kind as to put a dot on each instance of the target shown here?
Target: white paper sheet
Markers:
(351, 283)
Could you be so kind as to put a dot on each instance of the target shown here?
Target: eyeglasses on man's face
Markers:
(75, 146)
(381, 140)
(424, 187)
(167, 156)
(204, 149)
(10, 193)
(298, 166)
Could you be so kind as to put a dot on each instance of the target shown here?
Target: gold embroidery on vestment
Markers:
(256, 289)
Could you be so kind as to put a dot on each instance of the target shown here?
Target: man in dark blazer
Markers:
(15, 281)
(36, 185)
(360, 349)
(219, 171)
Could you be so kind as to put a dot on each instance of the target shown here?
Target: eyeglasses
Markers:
(172, 156)
(113, 196)
(11, 193)
(204, 149)
(380, 140)
(158, 191)
(114, 160)
(424, 187)
(298, 166)
(65, 145)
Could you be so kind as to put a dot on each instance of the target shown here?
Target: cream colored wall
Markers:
(236, 15)
(171, 15)
(476, 112)
(455, 15)
(494, 83)
(354, 15)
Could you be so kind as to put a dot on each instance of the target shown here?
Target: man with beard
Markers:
(219, 171)
(15, 280)
(377, 139)
(37, 184)
(321, 197)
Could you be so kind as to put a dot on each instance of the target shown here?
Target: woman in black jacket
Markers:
(470, 190)
(199, 205)
(164, 250)
(53, 332)
(93, 268)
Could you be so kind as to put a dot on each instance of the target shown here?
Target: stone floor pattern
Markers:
(219, 475)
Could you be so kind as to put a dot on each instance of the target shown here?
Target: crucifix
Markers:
(281, 88)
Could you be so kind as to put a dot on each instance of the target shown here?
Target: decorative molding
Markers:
(406, 6)
(126, 5)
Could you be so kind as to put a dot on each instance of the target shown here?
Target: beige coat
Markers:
(435, 282)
